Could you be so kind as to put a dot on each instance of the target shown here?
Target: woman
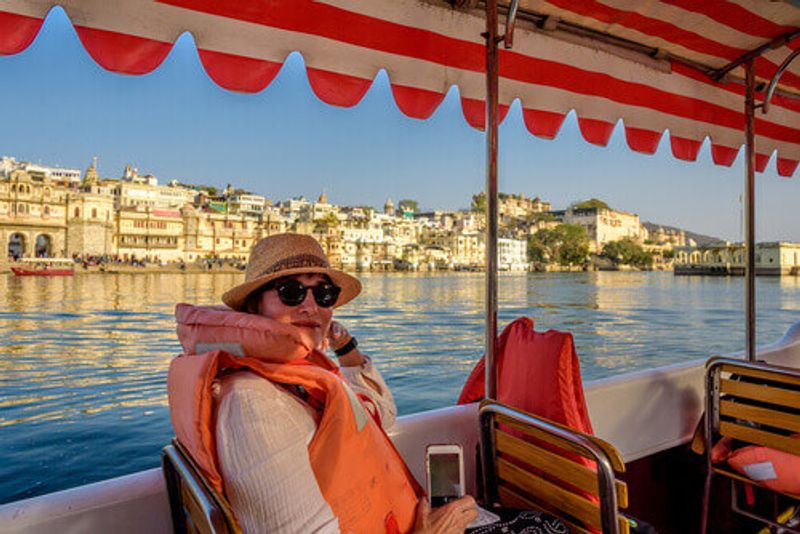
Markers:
(265, 433)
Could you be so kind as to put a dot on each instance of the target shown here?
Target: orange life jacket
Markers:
(538, 372)
(360, 474)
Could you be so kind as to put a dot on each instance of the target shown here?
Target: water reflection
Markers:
(83, 360)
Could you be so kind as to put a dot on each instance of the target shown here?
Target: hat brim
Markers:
(351, 286)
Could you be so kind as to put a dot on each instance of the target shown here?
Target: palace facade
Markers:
(48, 213)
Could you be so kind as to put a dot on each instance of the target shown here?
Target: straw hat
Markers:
(282, 255)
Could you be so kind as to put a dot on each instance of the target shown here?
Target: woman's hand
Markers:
(338, 337)
(452, 518)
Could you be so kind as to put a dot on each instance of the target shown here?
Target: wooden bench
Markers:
(533, 463)
(755, 403)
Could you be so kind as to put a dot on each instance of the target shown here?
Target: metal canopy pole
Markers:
(750, 215)
(492, 84)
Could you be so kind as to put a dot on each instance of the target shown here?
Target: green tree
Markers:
(591, 203)
(324, 223)
(541, 216)
(574, 244)
(407, 205)
(479, 202)
(627, 252)
(566, 244)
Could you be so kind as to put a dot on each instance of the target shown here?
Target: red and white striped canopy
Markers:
(427, 46)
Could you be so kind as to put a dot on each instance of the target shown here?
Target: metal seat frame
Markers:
(195, 506)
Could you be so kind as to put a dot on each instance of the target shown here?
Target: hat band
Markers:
(295, 262)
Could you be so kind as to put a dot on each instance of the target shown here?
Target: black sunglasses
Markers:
(293, 293)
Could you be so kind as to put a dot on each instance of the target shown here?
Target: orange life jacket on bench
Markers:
(360, 474)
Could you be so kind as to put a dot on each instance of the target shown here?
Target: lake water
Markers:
(83, 360)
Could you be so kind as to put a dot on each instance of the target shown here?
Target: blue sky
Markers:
(60, 108)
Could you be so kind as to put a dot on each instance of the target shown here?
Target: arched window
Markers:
(13, 188)
(47, 210)
(77, 212)
(94, 213)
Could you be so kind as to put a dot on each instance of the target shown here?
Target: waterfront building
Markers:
(300, 209)
(221, 235)
(469, 221)
(363, 231)
(468, 250)
(604, 225)
(512, 254)
(131, 174)
(156, 234)
(513, 208)
(32, 216)
(90, 216)
(143, 192)
(401, 231)
(129, 195)
(330, 238)
(246, 204)
(668, 236)
(772, 258)
(272, 221)
(57, 175)
(90, 223)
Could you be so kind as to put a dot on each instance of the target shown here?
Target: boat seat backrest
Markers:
(195, 506)
(756, 404)
(541, 465)
(753, 411)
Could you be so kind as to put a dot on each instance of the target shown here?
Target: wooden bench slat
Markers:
(760, 437)
(512, 499)
(573, 504)
(766, 374)
(757, 414)
(761, 392)
(560, 467)
(611, 452)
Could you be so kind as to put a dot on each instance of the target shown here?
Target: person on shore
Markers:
(299, 444)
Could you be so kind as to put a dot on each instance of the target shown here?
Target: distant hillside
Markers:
(700, 239)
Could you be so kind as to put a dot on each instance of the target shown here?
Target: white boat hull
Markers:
(641, 413)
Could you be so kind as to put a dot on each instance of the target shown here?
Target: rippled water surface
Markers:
(84, 359)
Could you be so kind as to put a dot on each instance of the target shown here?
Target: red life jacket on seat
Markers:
(360, 474)
(538, 372)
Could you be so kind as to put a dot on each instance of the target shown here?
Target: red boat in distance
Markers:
(44, 267)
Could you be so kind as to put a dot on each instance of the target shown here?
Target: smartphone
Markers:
(444, 466)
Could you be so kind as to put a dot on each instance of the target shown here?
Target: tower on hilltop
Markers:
(388, 208)
(322, 198)
(90, 177)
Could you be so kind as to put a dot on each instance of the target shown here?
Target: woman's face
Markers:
(310, 319)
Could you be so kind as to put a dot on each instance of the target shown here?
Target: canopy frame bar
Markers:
(777, 42)
(773, 83)
(492, 120)
(750, 210)
(511, 19)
